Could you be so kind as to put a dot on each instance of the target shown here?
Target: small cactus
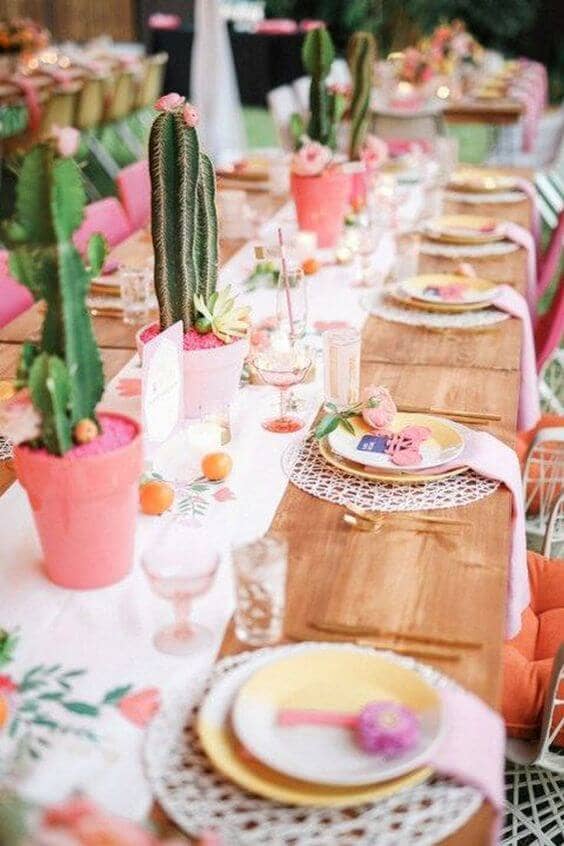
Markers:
(361, 56)
(64, 372)
(326, 108)
(184, 218)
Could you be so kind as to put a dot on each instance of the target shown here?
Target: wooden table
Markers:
(498, 112)
(426, 584)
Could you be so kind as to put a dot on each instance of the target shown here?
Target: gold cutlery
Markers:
(375, 632)
(411, 516)
(413, 651)
(451, 413)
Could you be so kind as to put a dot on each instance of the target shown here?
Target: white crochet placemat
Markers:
(496, 248)
(197, 797)
(6, 448)
(307, 469)
(381, 306)
(497, 197)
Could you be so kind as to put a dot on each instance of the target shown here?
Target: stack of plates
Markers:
(359, 454)
(465, 229)
(480, 181)
(445, 292)
(314, 765)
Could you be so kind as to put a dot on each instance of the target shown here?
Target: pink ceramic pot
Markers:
(85, 510)
(211, 377)
(322, 203)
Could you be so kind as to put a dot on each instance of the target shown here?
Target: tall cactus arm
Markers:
(206, 241)
(49, 385)
(32, 195)
(174, 157)
(317, 55)
(361, 56)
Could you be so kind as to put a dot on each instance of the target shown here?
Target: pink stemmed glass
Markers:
(283, 369)
(181, 564)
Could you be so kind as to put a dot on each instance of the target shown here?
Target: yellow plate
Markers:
(436, 308)
(373, 475)
(478, 292)
(464, 229)
(481, 182)
(224, 751)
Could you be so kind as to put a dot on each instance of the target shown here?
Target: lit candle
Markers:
(305, 244)
(202, 438)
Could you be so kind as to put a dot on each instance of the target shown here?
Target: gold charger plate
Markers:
(227, 755)
(480, 182)
(436, 308)
(374, 475)
(470, 228)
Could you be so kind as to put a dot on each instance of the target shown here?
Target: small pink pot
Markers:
(322, 203)
(85, 510)
(211, 377)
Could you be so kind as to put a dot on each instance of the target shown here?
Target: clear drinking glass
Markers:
(136, 294)
(294, 299)
(370, 232)
(341, 366)
(407, 257)
(260, 584)
(446, 155)
(181, 564)
(283, 369)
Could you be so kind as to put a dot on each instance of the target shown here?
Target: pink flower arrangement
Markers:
(374, 152)
(416, 67)
(19, 421)
(67, 139)
(311, 159)
(378, 407)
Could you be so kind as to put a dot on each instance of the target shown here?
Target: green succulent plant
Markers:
(326, 108)
(361, 56)
(64, 371)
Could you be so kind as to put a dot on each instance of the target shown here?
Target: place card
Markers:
(162, 386)
(373, 443)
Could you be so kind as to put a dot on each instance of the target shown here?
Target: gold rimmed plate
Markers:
(448, 289)
(402, 299)
(465, 229)
(481, 182)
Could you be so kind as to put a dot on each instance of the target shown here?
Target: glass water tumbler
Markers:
(260, 583)
(341, 366)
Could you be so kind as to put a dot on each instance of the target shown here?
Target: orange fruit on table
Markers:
(4, 711)
(155, 497)
(216, 466)
(310, 266)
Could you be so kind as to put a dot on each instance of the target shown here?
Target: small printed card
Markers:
(162, 386)
(373, 443)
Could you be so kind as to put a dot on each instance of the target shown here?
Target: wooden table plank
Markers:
(499, 112)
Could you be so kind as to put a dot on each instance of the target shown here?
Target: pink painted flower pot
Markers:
(359, 187)
(85, 509)
(211, 376)
(322, 203)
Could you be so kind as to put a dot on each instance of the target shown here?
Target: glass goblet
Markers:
(283, 369)
(181, 564)
(292, 299)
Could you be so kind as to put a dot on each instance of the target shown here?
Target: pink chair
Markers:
(134, 191)
(107, 217)
(14, 298)
(549, 262)
(549, 330)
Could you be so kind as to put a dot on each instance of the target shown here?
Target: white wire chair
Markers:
(543, 481)
(534, 787)
(551, 383)
(282, 104)
(301, 88)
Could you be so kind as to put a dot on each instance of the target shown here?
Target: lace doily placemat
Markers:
(496, 248)
(196, 797)
(380, 306)
(499, 197)
(6, 449)
(307, 469)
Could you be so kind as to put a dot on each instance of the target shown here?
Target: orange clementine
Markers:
(4, 711)
(310, 266)
(155, 497)
(216, 466)
(85, 431)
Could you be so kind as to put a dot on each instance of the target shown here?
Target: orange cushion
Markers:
(529, 656)
(523, 444)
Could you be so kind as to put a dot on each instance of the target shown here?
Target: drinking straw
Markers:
(285, 278)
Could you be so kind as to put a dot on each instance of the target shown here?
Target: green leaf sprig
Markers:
(335, 418)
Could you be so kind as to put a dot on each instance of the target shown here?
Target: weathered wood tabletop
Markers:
(429, 584)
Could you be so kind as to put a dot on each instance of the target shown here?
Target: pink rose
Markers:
(169, 102)
(19, 421)
(374, 152)
(67, 139)
(223, 495)
(311, 159)
(140, 708)
(190, 115)
(378, 409)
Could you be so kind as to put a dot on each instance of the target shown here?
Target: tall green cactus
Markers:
(325, 107)
(64, 373)
(184, 219)
(361, 56)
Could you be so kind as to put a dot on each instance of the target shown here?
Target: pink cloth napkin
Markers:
(529, 189)
(472, 751)
(511, 301)
(521, 236)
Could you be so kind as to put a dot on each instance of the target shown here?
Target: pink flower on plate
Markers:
(140, 708)
(224, 495)
(169, 102)
(67, 139)
(19, 421)
(378, 409)
(190, 115)
(374, 152)
(311, 159)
